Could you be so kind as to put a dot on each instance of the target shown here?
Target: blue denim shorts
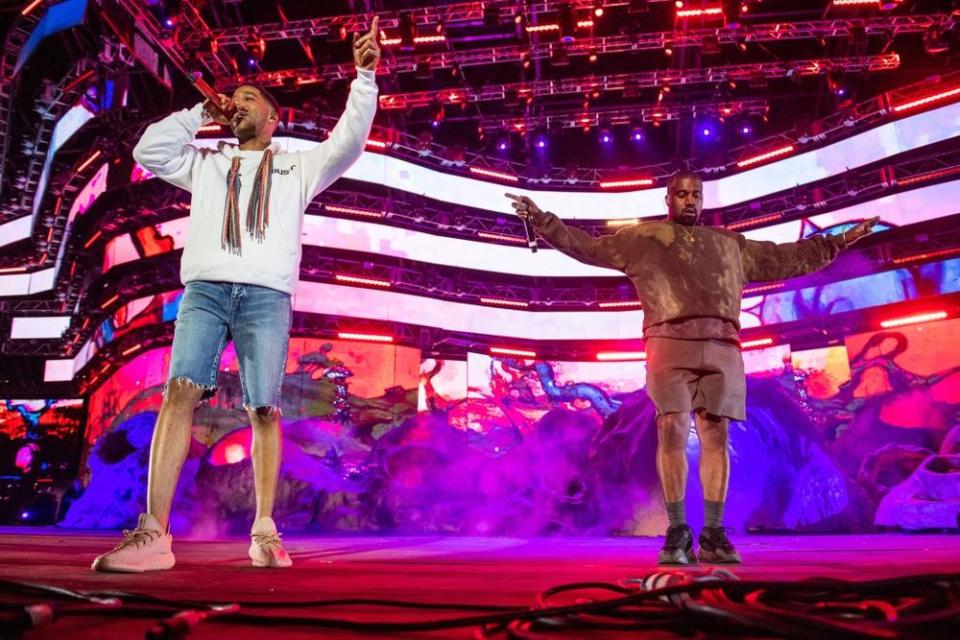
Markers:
(258, 321)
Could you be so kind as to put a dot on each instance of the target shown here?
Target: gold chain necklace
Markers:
(686, 232)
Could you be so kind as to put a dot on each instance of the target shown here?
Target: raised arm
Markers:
(610, 251)
(326, 162)
(164, 148)
(766, 261)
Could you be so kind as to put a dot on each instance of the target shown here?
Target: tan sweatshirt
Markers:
(689, 279)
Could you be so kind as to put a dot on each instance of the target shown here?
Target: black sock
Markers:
(713, 513)
(677, 512)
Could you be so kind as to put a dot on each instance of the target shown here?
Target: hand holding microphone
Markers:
(220, 107)
(526, 209)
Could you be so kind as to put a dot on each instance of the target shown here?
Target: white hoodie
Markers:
(298, 177)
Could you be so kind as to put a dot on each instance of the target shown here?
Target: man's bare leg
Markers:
(266, 550)
(672, 432)
(169, 447)
(714, 432)
(149, 546)
(265, 454)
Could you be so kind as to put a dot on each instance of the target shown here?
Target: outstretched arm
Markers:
(766, 261)
(609, 251)
(326, 162)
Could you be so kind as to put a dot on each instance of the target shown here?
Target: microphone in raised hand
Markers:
(525, 208)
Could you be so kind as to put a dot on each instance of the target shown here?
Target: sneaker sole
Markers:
(711, 557)
(674, 559)
(268, 560)
(156, 563)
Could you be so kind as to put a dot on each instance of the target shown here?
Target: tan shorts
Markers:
(683, 375)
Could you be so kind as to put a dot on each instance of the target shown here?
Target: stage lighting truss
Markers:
(576, 118)
(62, 96)
(649, 79)
(888, 26)
(19, 32)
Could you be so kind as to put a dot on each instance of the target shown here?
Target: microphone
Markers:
(531, 237)
(211, 94)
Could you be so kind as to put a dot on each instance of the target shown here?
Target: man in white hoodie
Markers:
(239, 267)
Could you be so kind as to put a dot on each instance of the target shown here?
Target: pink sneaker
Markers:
(266, 550)
(146, 548)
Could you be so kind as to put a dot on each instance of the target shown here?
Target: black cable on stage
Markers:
(40, 589)
(666, 600)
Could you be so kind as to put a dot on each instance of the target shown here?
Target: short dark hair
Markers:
(263, 92)
(680, 175)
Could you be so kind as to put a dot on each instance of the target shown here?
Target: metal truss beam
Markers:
(515, 53)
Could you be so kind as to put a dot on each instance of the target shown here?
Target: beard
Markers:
(687, 218)
(243, 127)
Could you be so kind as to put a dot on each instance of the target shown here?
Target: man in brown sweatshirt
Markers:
(690, 280)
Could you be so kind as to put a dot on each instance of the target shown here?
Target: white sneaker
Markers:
(146, 548)
(266, 550)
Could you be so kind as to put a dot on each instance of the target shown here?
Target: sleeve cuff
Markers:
(367, 75)
(199, 115)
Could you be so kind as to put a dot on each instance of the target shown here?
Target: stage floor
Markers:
(503, 571)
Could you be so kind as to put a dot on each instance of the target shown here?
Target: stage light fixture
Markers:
(508, 351)
(567, 21)
(486, 235)
(919, 102)
(90, 160)
(560, 58)
(438, 115)
(710, 45)
(782, 151)
(353, 211)
(632, 182)
(501, 302)
(30, 7)
(935, 41)
(699, 13)
(423, 70)
(374, 282)
(913, 319)
(256, 48)
(364, 337)
(837, 85)
(541, 28)
(752, 344)
(605, 136)
(499, 175)
(731, 13)
(619, 356)
(407, 29)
